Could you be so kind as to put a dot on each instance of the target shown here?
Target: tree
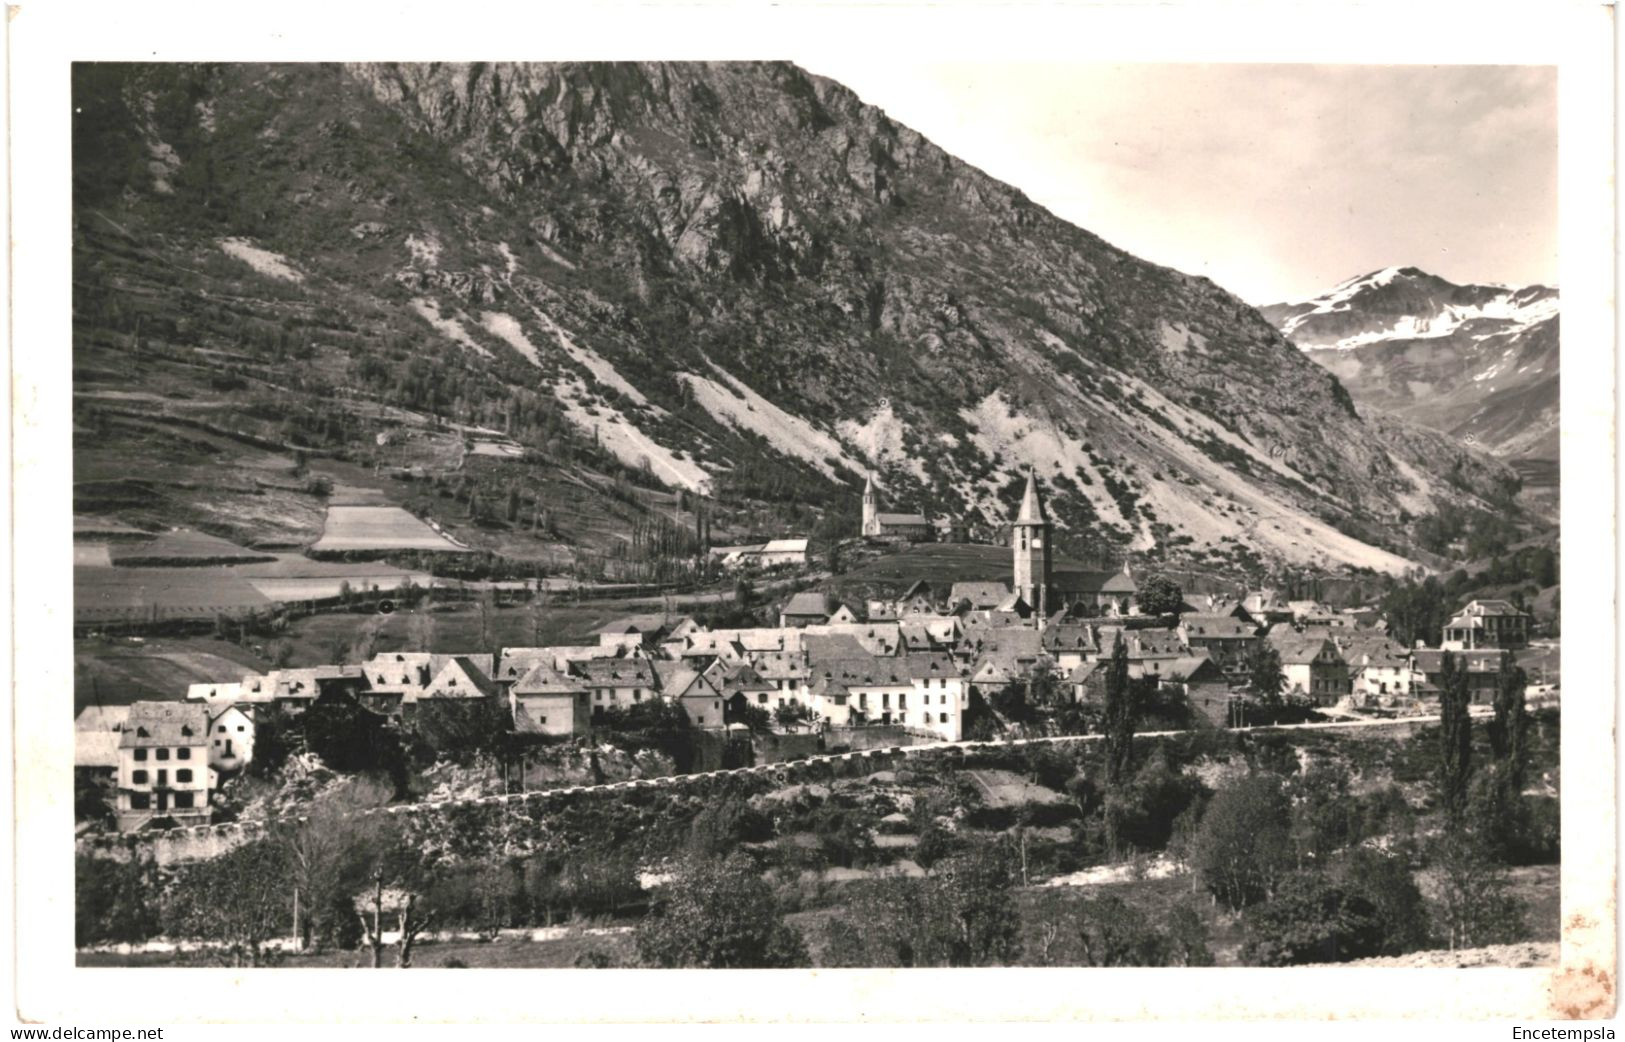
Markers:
(653, 723)
(717, 830)
(1160, 595)
(1244, 845)
(324, 850)
(114, 900)
(963, 914)
(1509, 731)
(718, 915)
(1386, 881)
(1141, 812)
(1118, 741)
(237, 900)
(1473, 904)
(1325, 816)
(791, 714)
(1455, 738)
(1119, 716)
(351, 739)
(754, 717)
(1312, 919)
(1265, 677)
(1111, 932)
(458, 730)
(90, 800)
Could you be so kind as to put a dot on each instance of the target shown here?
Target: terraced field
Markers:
(379, 528)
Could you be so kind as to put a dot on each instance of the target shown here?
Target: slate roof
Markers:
(807, 603)
(615, 672)
(979, 594)
(1216, 627)
(1032, 506)
(543, 679)
(165, 723)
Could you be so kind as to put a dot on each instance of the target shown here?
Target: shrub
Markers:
(718, 915)
(1312, 919)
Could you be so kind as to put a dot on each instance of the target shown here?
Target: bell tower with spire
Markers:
(871, 508)
(1029, 543)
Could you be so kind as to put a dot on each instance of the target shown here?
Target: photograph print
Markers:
(757, 514)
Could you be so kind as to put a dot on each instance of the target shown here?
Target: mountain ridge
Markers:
(1477, 361)
(748, 278)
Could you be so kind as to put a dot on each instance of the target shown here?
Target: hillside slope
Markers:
(733, 281)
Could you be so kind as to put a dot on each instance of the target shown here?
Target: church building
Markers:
(1047, 589)
(913, 528)
(1029, 543)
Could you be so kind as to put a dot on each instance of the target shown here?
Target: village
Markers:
(937, 662)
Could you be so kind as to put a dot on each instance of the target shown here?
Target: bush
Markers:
(1143, 812)
(1312, 919)
(964, 914)
(1112, 932)
(113, 900)
(1388, 884)
(718, 915)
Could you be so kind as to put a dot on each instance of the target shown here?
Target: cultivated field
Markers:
(181, 548)
(134, 594)
(294, 577)
(119, 672)
(379, 528)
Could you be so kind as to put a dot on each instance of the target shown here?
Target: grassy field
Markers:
(313, 638)
(941, 564)
(131, 594)
(379, 528)
(183, 548)
(117, 672)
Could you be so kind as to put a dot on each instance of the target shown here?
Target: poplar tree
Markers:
(1455, 737)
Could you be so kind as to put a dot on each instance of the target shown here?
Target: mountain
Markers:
(736, 283)
(1477, 362)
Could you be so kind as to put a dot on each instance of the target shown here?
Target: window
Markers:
(183, 775)
(542, 719)
(239, 728)
(163, 754)
(944, 717)
(183, 754)
(183, 801)
(140, 801)
(138, 777)
(217, 743)
(762, 697)
(163, 778)
(221, 729)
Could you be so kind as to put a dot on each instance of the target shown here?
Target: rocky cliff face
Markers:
(737, 275)
(1477, 362)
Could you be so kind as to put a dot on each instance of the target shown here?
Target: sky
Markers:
(1275, 181)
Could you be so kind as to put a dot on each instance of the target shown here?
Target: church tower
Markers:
(1029, 543)
(871, 509)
